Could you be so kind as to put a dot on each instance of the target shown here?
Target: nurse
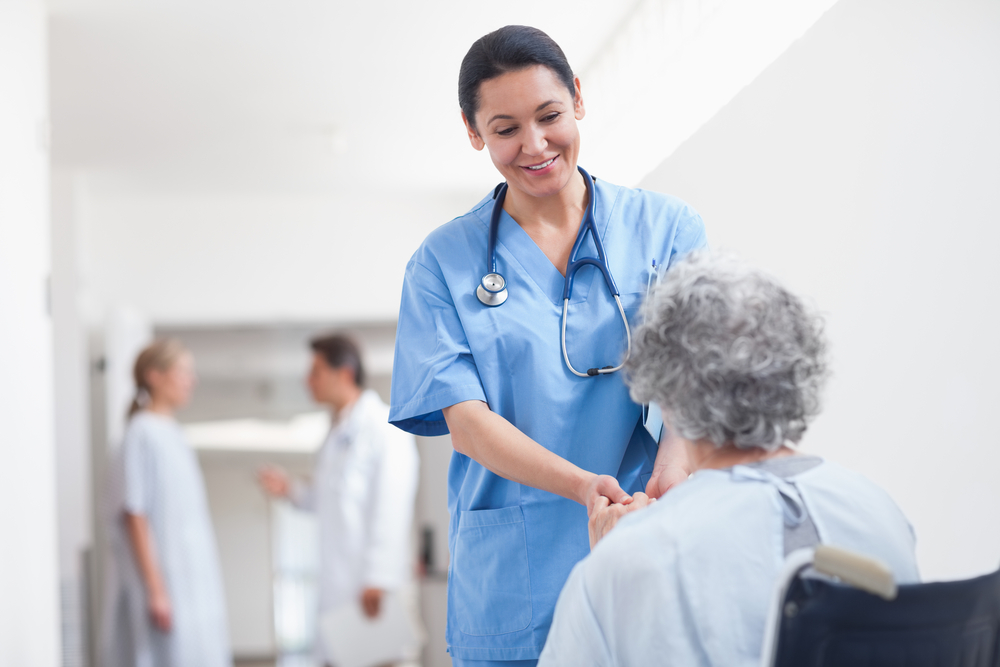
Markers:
(535, 444)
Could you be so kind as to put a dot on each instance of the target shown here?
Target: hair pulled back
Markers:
(509, 49)
(340, 351)
(159, 355)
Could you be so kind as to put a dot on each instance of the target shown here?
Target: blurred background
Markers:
(244, 175)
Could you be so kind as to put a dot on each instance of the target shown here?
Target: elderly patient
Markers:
(736, 363)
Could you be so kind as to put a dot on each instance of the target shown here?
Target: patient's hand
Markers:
(664, 478)
(606, 514)
(672, 466)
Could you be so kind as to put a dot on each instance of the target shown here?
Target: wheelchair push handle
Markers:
(856, 570)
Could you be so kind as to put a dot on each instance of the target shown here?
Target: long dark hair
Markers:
(509, 49)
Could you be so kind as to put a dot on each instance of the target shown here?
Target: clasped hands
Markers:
(607, 503)
(606, 514)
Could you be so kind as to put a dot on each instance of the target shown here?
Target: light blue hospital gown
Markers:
(156, 474)
(513, 546)
(688, 581)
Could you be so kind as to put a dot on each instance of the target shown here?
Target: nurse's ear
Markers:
(474, 138)
(578, 110)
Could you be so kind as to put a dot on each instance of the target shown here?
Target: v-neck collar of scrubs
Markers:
(518, 248)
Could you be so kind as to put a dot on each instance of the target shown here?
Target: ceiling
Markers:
(291, 96)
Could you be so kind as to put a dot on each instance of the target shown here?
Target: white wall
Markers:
(242, 523)
(29, 613)
(431, 511)
(862, 168)
(222, 259)
(72, 420)
(680, 62)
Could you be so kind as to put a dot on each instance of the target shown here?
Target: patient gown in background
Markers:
(155, 474)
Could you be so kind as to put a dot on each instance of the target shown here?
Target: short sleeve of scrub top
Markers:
(512, 546)
(444, 372)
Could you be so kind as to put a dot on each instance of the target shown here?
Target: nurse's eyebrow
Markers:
(501, 116)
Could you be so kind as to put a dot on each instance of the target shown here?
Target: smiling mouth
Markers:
(543, 165)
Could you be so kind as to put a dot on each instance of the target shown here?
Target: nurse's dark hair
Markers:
(509, 49)
(159, 355)
(340, 351)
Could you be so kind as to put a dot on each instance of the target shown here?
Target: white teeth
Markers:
(542, 166)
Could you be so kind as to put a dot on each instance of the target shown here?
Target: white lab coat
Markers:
(362, 492)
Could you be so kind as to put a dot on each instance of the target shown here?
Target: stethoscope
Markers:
(492, 290)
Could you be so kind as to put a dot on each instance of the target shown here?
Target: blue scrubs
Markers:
(512, 546)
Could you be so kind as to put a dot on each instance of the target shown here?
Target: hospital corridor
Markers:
(467, 334)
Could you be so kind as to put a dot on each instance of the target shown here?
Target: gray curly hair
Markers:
(728, 354)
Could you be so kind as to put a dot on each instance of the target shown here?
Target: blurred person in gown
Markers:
(165, 604)
(362, 490)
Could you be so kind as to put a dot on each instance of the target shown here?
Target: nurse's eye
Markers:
(506, 131)
(550, 117)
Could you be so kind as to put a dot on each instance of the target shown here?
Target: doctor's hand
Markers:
(274, 481)
(606, 515)
(606, 487)
(371, 601)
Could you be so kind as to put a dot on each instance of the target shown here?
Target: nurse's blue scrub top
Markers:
(512, 546)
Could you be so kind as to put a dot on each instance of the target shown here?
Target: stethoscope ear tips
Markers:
(492, 290)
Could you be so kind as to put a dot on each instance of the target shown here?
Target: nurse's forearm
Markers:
(499, 446)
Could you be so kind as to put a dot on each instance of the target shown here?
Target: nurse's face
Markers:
(527, 121)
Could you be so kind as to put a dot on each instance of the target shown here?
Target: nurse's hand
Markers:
(371, 601)
(606, 487)
(606, 515)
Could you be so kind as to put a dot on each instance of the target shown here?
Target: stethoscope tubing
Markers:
(496, 298)
(591, 372)
(589, 224)
(491, 243)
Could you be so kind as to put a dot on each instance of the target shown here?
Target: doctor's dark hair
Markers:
(159, 355)
(509, 49)
(340, 351)
(729, 355)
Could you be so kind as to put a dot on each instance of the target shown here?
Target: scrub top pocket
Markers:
(491, 592)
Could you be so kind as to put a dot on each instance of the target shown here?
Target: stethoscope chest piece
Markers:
(492, 290)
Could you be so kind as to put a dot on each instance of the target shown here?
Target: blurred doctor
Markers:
(363, 488)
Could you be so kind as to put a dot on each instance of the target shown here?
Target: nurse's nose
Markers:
(533, 141)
